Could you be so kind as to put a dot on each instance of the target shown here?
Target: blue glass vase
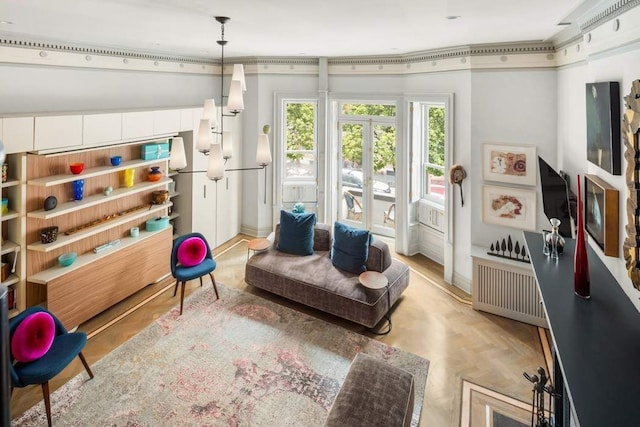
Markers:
(78, 189)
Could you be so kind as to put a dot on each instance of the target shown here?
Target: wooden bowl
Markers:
(159, 197)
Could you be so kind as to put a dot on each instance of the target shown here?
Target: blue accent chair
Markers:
(66, 346)
(183, 274)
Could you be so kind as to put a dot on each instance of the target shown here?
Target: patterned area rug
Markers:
(239, 361)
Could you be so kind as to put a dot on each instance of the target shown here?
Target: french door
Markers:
(366, 176)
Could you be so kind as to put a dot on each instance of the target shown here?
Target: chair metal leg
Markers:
(215, 288)
(47, 403)
(201, 281)
(86, 365)
(183, 283)
(175, 289)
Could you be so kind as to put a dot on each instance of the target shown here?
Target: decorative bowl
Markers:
(49, 234)
(67, 259)
(159, 197)
(115, 160)
(76, 168)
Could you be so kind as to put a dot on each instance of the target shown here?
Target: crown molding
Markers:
(611, 12)
(594, 38)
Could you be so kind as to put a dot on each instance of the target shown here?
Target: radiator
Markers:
(508, 290)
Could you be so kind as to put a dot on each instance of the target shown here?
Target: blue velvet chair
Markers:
(183, 274)
(66, 346)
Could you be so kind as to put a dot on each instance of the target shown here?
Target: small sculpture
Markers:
(507, 249)
(50, 203)
(298, 208)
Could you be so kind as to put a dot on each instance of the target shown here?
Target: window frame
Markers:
(423, 124)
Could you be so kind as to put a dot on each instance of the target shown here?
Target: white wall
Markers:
(40, 89)
(513, 107)
(623, 66)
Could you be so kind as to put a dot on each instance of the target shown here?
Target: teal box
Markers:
(155, 151)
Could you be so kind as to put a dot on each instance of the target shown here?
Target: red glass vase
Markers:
(580, 261)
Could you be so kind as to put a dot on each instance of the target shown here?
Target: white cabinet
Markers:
(203, 209)
(186, 119)
(100, 129)
(205, 206)
(17, 134)
(228, 212)
(137, 124)
(166, 121)
(53, 132)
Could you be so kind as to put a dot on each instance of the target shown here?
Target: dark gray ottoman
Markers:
(373, 394)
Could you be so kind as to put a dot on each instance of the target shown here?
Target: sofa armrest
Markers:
(379, 256)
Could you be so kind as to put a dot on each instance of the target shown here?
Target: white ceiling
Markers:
(331, 28)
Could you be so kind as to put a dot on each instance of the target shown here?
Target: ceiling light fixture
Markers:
(222, 150)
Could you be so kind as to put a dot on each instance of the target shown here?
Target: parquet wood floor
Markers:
(432, 319)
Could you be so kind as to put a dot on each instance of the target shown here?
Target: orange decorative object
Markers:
(155, 174)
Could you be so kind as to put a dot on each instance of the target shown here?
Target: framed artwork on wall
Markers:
(601, 213)
(513, 164)
(603, 126)
(508, 206)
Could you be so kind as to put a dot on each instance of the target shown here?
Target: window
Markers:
(432, 117)
(299, 151)
(300, 134)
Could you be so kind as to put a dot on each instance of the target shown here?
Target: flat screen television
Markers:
(555, 198)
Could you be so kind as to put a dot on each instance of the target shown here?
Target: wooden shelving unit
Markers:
(13, 227)
(56, 272)
(87, 202)
(91, 173)
(93, 221)
(64, 240)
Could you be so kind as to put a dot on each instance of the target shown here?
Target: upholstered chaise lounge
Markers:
(314, 281)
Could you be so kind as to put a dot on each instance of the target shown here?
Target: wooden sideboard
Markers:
(596, 341)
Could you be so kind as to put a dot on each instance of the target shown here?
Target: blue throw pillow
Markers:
(296, 233)
(350, 248)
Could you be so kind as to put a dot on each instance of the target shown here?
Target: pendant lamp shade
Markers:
(210, 112)
(227, 144)
(238, 74)
(205, 137)
(177, 157)
(235, 103)
(263, 154)
(215, 166)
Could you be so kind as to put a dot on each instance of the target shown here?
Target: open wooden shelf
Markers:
(92, 172)
(64, 240)
(10, 183)
(76, 205)
(11, 280)
(8, 246)
(45, 276)
(10, 215)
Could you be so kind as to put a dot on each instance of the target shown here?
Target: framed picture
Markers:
(601, 213)
(603, 126)
(508, 206)
(513, 164)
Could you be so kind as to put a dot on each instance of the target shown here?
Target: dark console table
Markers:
(596, 341)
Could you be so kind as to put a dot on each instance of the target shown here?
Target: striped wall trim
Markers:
(53, 46)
